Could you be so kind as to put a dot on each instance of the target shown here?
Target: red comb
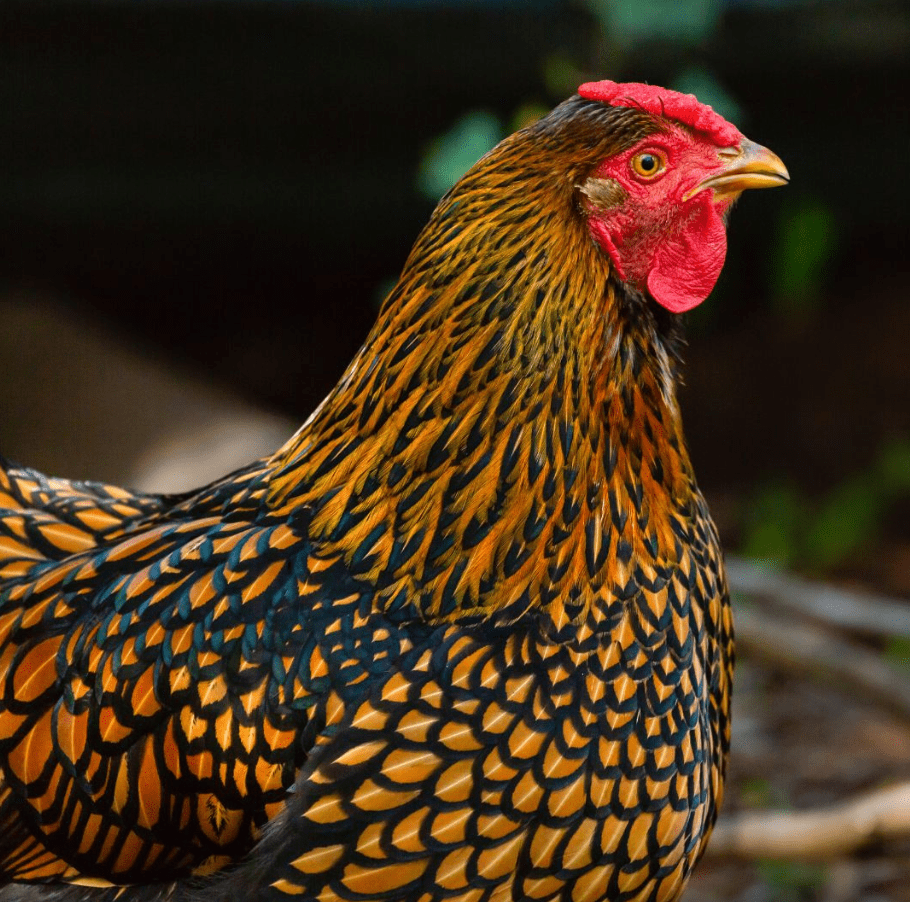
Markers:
(683, 108)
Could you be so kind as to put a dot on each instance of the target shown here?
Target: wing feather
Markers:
(127, 688)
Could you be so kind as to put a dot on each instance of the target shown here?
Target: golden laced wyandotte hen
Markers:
(466, 636)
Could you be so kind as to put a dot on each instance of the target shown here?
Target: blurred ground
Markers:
(77, 400)
(801, 744)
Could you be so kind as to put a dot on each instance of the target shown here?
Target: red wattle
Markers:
(687, 264)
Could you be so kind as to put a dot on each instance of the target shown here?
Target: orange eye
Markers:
(648, 164)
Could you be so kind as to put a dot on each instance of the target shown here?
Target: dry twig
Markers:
(861, 612)
(797, 644)
(802, 647)
(815, 834)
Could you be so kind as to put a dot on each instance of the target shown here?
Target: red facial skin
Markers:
(665, 236)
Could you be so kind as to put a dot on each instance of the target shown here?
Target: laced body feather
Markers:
(465, 637)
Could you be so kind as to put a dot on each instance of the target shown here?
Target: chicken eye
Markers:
(648, 164)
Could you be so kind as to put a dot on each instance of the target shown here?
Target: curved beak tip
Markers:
(759, 161)
(753, 166)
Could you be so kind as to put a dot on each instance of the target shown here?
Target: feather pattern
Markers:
(465, 637)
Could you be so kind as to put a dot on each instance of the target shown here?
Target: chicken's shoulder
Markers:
(156, 689)
(46, 518)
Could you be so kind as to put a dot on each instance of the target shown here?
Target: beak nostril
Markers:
(748, 166)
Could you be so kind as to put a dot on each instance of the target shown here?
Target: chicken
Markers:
(464, 637)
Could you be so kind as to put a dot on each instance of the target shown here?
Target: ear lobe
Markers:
(687, 264)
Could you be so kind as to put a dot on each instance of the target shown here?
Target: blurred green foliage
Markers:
(783, 525)
(775, 519)
(451, 155)
(561, 74)
(791, 881)
(845, 521)
(893, 467)
(804, 247)
(759, 792)
(897, 651)
(623, 23)
(680, 21)
(701, 82)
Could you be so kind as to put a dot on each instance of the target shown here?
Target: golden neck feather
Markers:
(509, 429)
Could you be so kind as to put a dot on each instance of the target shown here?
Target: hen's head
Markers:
(658, 206)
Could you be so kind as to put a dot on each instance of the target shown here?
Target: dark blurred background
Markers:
(203, 203)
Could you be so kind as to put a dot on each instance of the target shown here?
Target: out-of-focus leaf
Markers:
(893, 467)
(451, 155)
(759, 792)
(561, 75)
(897, 651)
(383, 290)
(775, 522)
(791, 881)
(847, 520)
(702, 83)
(680, 21)
(526, 114)
(806, 243)
(782, 526)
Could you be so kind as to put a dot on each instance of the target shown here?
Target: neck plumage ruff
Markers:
(508, 438)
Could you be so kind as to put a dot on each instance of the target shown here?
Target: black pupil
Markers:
(648, 163)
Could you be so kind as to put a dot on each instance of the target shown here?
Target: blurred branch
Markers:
(861, 612)
(801, 647)
(822, 833)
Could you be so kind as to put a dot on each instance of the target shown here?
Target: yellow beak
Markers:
(750, 166)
